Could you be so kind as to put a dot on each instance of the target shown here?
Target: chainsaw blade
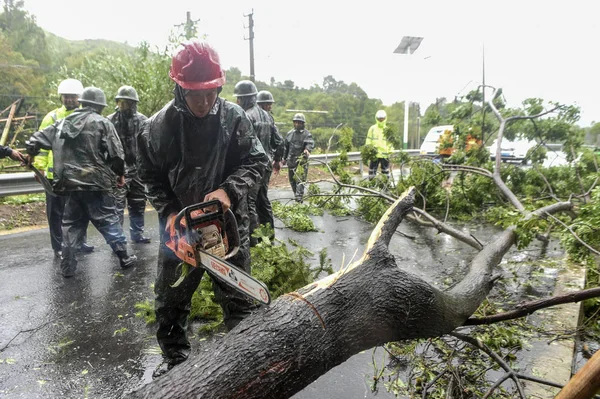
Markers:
(234, 277)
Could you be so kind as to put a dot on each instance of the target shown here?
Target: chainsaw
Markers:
(203, 235)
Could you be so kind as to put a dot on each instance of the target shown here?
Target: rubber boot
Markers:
(141, 239)
(125, 259)
(166, 365)
(86, 248)
(68, 263)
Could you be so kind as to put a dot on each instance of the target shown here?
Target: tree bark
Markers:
(282, 348)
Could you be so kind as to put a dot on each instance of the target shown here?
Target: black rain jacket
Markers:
(181, 157)
(5, 151)
(127, 129)
(88, 155)
(267, 133)
(296, 142)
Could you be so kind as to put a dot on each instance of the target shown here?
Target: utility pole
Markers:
(189, 27)
(484, 105)
(251, 39)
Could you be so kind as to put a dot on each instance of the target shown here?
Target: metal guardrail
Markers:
(25, 183)
(352, 156)
(19, 183)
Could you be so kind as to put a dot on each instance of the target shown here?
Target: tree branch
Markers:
(467, 168)
(480, 345)
(547, 184)
(445, 228)
(595, 251)
(528, 308)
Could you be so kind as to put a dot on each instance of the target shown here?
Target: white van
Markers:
(429, 146)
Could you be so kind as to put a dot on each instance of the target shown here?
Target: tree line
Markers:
(33, 62)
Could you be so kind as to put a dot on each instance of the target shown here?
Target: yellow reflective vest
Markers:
(44, 160)
(376, 138)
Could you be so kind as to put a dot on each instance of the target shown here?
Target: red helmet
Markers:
(196, 66)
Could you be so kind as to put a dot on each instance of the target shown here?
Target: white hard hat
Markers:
(380, 114)
(70, 86)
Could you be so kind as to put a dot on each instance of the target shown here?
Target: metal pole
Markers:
(251, 38)
(484, 105)
(418, 132)
(406, 104)
(405, 140)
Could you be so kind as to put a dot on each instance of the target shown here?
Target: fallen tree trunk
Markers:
(281, 349)
(586, 383)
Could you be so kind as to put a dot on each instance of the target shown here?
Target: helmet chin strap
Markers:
(180, 96)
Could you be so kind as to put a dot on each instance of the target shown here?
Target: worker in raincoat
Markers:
(297, 147)
(376, 138)
(128, 123)
(259, 204)
(69, 91)
(199, 147)
(265, 100)
(88, 162)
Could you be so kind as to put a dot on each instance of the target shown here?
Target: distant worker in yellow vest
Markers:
(69, 91)
(376, 138)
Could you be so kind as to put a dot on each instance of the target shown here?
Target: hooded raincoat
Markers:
(259, 204)
(88, 155)
(376, 138)
(88, 158)
(127, 128)
(133, 193)
(181, 158)
(295, 143)
(264, 127)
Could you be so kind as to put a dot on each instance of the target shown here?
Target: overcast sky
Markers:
(533, 48)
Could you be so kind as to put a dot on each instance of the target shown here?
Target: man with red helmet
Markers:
(199, 147)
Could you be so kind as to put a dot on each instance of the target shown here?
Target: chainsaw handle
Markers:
(202, 206)
(175, 227)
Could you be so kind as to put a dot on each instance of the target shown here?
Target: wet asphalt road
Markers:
(79, 338)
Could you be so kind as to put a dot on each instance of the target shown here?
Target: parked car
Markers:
(512, 150)
(430, 144)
